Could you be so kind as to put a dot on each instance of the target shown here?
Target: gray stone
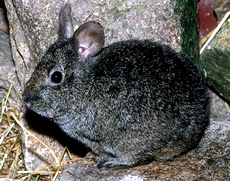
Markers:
(220, 110)
(215, 146)
(221, 8)
(3, 21)
(215, 62)
(7, 68)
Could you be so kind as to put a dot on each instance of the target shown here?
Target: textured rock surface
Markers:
(7, 69)
(215, 58)
(3, 20)
(221, 40)
(33, 28)
(221, 8)
(215, 61)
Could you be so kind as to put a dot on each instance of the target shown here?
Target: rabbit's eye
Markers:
(56, 77)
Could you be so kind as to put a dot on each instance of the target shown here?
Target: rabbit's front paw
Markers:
(113, 163)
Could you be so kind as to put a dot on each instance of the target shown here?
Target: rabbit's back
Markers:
(148, 67)
(146, 90)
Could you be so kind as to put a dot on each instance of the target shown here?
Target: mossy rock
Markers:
(215, 61)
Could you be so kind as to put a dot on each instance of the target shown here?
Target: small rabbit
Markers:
(131, 102)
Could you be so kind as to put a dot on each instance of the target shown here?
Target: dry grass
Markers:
(12, 166)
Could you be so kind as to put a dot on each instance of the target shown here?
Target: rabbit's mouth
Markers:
(48, 113)
(44, 113)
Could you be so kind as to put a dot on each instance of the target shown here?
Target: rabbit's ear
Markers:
(65, 22)
(89, 39)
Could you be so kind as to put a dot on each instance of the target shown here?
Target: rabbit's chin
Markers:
(44, 113)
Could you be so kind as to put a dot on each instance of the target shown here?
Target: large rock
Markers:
(215, 61)
(7, 68)
(33, 27)
(215, 57)
(3, 19)
(221, 8)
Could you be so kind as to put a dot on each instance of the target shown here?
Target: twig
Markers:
(58, 169)
(227, 107)
(54, 164)
(38, 172)
(4, 102)
(208, 35)
(7, 154)
(19, 95)
(6, 132)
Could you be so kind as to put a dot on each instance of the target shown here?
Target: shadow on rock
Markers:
(47, 127)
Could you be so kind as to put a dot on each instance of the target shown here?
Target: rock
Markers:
(3, 21)
(221, 8)
(214, 148)
(183, 168)
(215, 62)
(221, 40)
(215, 58)
(7, 68)
(220, 110)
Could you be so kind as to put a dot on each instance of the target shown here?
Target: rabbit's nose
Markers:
(26, 99)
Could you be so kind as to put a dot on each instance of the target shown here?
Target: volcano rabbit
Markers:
(131, 102)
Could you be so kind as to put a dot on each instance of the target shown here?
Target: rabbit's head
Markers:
(62, 67)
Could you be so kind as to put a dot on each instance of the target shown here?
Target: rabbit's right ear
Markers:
(89, 39)
(65, 22)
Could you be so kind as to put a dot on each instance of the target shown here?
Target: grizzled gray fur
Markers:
(130, 103)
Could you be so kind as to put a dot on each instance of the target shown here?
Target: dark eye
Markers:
(56, 77)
